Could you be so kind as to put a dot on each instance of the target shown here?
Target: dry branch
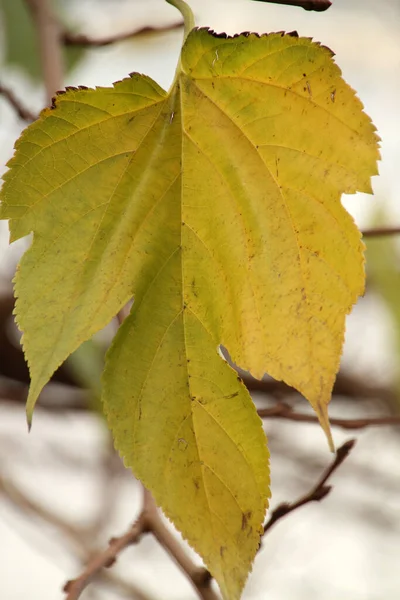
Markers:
(149, 521)
(316, 5)
(72, 39)
(381, 231)
(317, 493)
(24, 113)
(198, 576)
(346, 384)
(75, 587)
(283, 411)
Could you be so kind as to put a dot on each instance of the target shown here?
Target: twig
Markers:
(75, 587)
(345, 385)
(317, 5)
(199, 576)
(317, 493)
(23, 113)
(50, 44)
(72, 39)
(284, 411)
(381, 231)
(149, 521)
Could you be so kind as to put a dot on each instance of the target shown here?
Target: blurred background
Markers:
(63, 491)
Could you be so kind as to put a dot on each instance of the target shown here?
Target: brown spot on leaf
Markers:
(245, 518)
(231, 395)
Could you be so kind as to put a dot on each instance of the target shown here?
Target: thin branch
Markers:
(317, 5)
(199, 576)
(50, 44)
(381, 231)
(75, 587)
(24, 113)
(149, 521)
(317, 493)
(345, 385)
(283, 411)
(72, 39)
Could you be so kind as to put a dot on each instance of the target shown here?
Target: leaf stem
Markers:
(186, 13)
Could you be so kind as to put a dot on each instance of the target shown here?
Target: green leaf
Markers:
(217, 206)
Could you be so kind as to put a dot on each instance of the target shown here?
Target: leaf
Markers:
(186, 424)
(217, 206)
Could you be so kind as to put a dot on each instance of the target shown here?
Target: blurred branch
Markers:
(381, 231)
(199, 576)
(72, 39)
(23, 113)
(75, 536)
(24, 503)
(50, 44)
(317, 5)
(347, 385)
(284, 411)
(75, 587)
(149, 521)
(111, 466)
(317, 493)
(12, 390)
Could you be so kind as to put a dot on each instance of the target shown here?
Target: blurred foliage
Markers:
(87, 364)
(21, 48)
(383, 274)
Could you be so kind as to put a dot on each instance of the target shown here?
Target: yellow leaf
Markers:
(281, 136)
(217, 206)
(186, 424)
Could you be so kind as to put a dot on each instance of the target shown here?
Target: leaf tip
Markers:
(322, 412)
(29, 419)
